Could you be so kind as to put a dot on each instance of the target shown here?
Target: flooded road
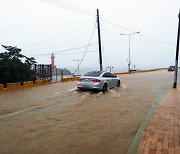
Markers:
(58, 119)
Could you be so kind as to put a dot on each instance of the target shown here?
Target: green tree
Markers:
(12, 69)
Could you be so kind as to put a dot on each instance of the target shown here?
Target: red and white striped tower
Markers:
(52, 60)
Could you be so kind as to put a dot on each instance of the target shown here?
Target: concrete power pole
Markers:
(177, 55)
(99, 39)
(78, 64)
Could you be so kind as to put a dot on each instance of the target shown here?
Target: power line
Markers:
(93, 44)
(78, 6)
(105, 57)
(39, 26)
(69, 7)
(59, 36)
(71, 53)
(115, 34)
(67, 50)
(157, 40)
(86, 49)
(82, 34)
(110, 40)
(95, 55)
(116, 25)
(138, 34)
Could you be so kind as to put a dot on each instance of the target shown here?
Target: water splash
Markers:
(85, 95)
(123, 86)
(114, 93)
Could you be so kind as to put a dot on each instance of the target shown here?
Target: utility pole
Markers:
(129, 64)
(78, 64)
(99, 39)
(177, 55)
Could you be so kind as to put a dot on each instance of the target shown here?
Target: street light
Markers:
(110, 68)
(129, 48)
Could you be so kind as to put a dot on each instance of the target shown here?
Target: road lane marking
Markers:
(14, 113)
(31, 108)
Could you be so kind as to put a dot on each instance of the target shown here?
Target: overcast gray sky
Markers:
(40, 28)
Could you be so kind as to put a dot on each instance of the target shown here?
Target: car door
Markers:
(114, 80)
(107, 76)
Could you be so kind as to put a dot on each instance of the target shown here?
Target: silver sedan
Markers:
(98, 80)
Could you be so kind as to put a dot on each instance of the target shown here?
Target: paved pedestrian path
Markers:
(162, 135)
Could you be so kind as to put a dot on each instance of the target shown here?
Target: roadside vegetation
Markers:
(15, 67)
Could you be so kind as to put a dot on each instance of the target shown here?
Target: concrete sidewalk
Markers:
(162, 135)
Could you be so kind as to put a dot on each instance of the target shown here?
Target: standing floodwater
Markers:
(58, 119)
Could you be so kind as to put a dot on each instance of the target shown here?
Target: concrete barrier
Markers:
(17, 85)
(11, 85)
(69, 79)
(14, 85)
(46, 82)
(27, 84)
(141, 71)
(38, 82)
(1, 87)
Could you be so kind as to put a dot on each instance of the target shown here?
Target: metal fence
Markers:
(43, 72)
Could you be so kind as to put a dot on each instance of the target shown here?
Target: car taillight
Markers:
(95, 80)
(79, 79)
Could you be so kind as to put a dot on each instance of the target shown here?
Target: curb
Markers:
(25, 84)
(141, 71)
(138, 136)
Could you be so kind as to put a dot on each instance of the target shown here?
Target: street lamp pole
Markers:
(129, 61)
(129, 64)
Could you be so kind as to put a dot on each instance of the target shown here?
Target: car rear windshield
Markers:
(93, 73)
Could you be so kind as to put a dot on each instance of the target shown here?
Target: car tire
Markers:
(105, 87)
(79, 89)
(119, 83)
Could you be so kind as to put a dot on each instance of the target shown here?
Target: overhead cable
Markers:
(57, 37)
(86, 49)
(40, 26)
(82, 34)
(138, 34)
(70, 7)
(71, 53)
(90, 64)
(67, 50)
(111, 43)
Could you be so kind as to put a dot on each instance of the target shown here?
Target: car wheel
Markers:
(119, 83)
(105, 87)
(79, 89)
